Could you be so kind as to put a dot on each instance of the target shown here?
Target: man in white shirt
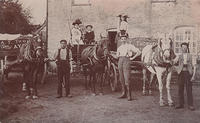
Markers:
(125, 54)
(63, 57)
(185, 72)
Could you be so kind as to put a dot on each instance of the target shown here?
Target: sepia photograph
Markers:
(99, 61)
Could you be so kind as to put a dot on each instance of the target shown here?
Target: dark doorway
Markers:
(112, 44)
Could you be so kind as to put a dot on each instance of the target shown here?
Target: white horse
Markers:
(159, 60)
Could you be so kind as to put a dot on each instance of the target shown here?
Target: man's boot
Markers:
(129, 93)
(123, 95)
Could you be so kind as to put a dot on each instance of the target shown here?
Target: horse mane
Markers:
(27, 51)
(103, 41)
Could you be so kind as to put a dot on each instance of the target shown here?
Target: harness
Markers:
(94, 59)
(158, 61)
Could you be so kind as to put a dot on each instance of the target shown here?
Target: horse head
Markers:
(39, 52)
(102, 48)
(166, 50)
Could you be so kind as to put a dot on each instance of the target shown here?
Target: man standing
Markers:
(125, 54)
(63, 57)
(185, 71)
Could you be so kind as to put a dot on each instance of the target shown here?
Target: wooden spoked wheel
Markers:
(113, 77)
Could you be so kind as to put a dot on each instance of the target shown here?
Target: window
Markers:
(189, 35)
(186, 35)
(177, 36)
(177, 44)
(81, 2)
(194, 44)
(177, 50)
(162, 1)
(181, 36)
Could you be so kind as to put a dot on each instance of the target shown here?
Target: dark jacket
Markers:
(189, 64)
(89, 37)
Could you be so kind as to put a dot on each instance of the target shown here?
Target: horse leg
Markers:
(168, 80)
(35, 79)
(25, 76)
(94, 84)
(101, 83)
(86, 83)
(44, 73)
(27, 81)
(24, 82)
(150, 83)
(90, 80)
(144, 71)
(159, 73)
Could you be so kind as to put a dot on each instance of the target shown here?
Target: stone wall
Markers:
(146, 19)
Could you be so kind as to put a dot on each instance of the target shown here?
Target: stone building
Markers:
(147, 18)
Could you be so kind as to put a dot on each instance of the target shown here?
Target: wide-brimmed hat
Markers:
(64, 41)
(77, 21)
(123, 15)
(89, 26)
(123, 36)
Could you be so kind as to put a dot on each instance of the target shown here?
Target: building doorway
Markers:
(111, 36)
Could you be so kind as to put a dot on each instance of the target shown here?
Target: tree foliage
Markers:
(13, 18)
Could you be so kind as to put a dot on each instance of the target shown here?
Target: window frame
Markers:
(80, 4)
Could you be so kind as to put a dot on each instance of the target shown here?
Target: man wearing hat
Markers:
(123, 23)
(118, 37)
(63, 57)
(89, 35)
(125, 54)
(76, 33)
(185, 73)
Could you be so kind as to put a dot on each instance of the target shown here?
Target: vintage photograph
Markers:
(99, 61)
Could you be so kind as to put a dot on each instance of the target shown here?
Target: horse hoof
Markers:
(35, 97)
(94, 94)
(150, 93)
(144, 94)
(23, 89)
(171, 104)
(101, 94)
(162, 104)
(27, 97)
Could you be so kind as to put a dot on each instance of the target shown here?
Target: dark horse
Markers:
(33, 63)
(94, 60)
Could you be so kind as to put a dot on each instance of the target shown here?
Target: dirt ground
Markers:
(85, 108)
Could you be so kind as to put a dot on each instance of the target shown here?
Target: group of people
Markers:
(125, 53)
(82, 36)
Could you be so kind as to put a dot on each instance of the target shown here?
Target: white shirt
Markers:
(185, 58)
(123, 26)
(76, 36)
(126, 50)
(63, 54)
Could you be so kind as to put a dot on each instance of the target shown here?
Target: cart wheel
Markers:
(2, 78)
(2, 71)
(107, 73)
(113, 77)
